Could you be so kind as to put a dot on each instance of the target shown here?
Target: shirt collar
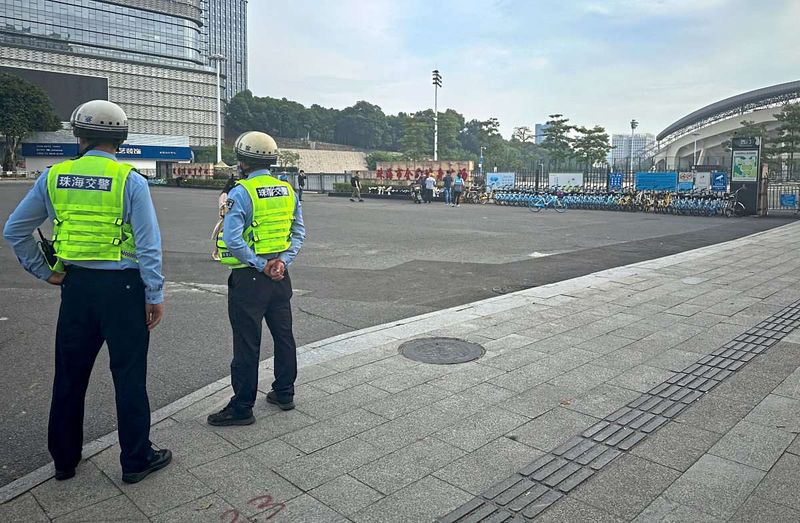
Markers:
(258, 172)
(102, 154)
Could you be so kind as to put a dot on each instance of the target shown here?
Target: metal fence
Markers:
(320, 182)
(595, 179)
(783, 198)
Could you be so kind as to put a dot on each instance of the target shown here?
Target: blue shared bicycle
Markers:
(540, 201)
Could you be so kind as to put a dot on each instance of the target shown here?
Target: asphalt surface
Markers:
(363, 264)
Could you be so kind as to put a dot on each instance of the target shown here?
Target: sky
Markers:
(598, 62)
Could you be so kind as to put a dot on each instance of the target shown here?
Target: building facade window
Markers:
(225, 33)
(98, 28)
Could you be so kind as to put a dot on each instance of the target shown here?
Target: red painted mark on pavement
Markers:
(264, 502)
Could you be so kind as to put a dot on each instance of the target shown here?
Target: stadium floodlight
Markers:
(437, 78)
(437, 83)
(634, 125)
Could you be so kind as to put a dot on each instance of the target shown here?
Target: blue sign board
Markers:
(719, 181)
(615, 182)
(127, 152)
(789, 200)
(155, 152)
(495, 180)
(49, 149)
(656, 181)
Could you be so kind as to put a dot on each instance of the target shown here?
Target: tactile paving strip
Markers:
(526, 494)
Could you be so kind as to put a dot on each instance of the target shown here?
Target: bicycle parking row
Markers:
(693, 203)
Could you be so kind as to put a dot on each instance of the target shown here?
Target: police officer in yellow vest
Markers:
(108, 265)
(261, 235)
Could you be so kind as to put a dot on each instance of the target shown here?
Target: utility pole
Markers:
(217, 58)
(437, 83)
(634, 125)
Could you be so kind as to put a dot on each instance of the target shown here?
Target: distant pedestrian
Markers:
(420, 179)
(448, 188)
(430, 183)
(355, 182)
(301, 184)
(458, 188)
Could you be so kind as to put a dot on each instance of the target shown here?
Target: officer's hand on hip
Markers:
(275, 269)
(57, 278)
(153, 314)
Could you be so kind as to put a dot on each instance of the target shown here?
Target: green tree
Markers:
(451, 123)
(522, 134)
(394, 132)
(362, 125)
(208, 154)
(288, 158)
(591, 146)
(381, 156)
(239, 117)
(320, 123)
(785, 142)
(557, 139)
(24, 109)
(417, 140)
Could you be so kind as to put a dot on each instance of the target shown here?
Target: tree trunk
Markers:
(10, 160)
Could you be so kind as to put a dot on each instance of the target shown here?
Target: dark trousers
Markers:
(300, 193)
(253, 297)
(457, 197)
(101, 306)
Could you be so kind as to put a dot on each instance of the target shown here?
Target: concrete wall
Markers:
(316, 161)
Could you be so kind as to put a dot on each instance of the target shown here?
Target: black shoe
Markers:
(231, 416)
(160, 459)
(361, 200)
(61, 475)
(283, 404)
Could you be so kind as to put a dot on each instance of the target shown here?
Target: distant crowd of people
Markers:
(408, 174)
(423, 184)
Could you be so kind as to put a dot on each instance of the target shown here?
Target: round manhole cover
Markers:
(441, 351)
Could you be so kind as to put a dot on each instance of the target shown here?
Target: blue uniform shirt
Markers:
(137, 209)
(240, 212)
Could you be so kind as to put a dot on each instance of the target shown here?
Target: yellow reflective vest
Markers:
(273, 211)
(87, 197)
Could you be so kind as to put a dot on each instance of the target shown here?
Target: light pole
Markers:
(634, 125)
(217, 59)
(694, 154)
(437, 83)
(480, 161)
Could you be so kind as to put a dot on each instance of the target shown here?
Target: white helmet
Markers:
(100, 120)
(255, 145)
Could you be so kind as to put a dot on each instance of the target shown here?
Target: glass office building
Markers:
(152, 53)
(225, 30)
(626, 148)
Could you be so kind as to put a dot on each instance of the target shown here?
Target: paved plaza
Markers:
(664, 390)
(362, 265)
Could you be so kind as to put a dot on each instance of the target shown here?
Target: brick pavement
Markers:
(517, 434)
